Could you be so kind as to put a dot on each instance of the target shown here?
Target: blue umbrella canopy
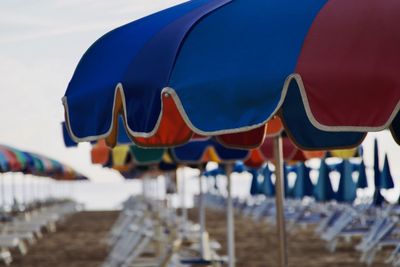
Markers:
(323, 189)
(161, 70)
(347, 191)
(267, 187)
(386, 175)
(303, 185)
(200, 151)
(362, 181)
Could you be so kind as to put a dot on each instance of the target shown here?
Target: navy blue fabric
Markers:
(192, 152)
(122, 137)
(347, 191)
(377, 171)
(106, 63)
(288, 190)
(304, 133)
(378, 199)
(386, 175)
(362, 181)
(233, 64)
(267, 187)
(68, 142)
(323, 189)
(230, 66)
(255, 185)
(164, 166)
(395, 128)
(150, 70)
(303, 185)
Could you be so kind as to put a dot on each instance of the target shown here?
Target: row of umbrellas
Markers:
(15, 160)
(225, 68)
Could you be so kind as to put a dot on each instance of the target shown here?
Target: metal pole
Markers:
(230, 220)
(13, 193)
(3, 196)
(280, 196)
(182, 192)
(202, 217)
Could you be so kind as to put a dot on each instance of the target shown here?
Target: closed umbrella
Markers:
(267, 187)
(362, 181)
(303, 185)
(386, 175)
(347, 190)
(323, 189)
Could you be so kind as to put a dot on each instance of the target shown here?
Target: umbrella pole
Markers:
(13, 192)
(279, 196)
(3, 196)
(202, 217)
(230, 220)
(183, 201)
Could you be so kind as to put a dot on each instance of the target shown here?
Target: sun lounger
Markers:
(12, 242)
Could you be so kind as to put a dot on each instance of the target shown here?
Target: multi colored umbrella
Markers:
(225, 68)
(164, 94)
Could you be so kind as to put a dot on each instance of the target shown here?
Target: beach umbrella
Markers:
(347, 191)
(386, 175)
(362, 181)
(303, 185)
(377, 198)
(291, 153)
(267, 187)
(323, 189)
(255, 185)
(200, 68)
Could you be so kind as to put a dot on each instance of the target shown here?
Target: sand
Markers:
(257, 245)
(77, 243)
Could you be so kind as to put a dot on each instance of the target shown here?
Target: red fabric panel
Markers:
(244, 140)
(100, 153)
(172, 131)
(256, 159)
(289, 149)
(350, 62)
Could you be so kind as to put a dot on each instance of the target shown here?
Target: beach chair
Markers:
(378, 238)
(5, 256)
(12, 243)
(130, 245)
(394, 257)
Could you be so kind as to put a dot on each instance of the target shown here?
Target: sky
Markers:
(41, 43)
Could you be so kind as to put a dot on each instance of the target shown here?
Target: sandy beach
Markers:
(256, 245)
(77, 243)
